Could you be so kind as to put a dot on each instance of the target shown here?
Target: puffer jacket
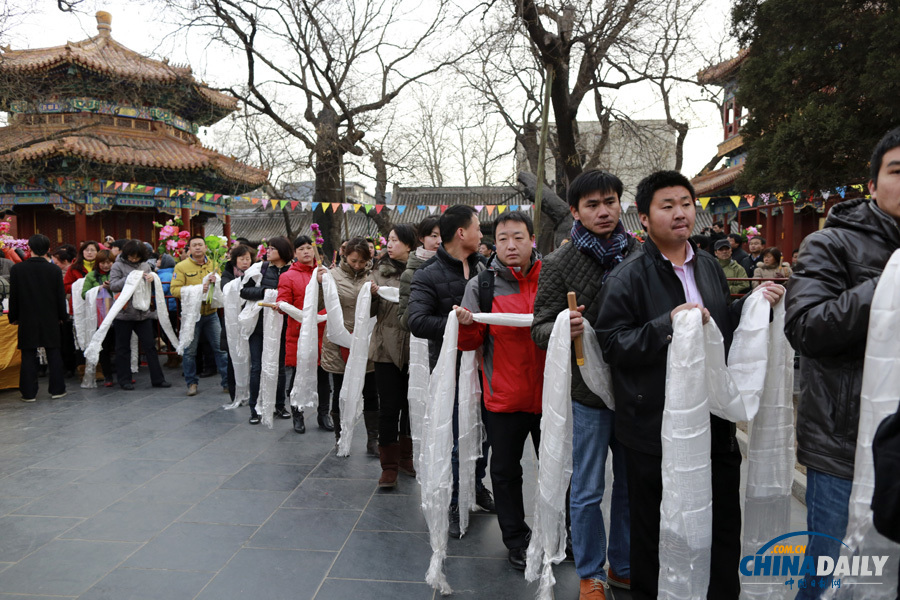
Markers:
(189, 272)
(435, 289)
(512, 365)
(390, 342)
(292, 289)
(634, 329)
(269, 281)
(413, 264)
(829, 296)
(117, 276)
(563, 271)
(93, 279)
(349, 282)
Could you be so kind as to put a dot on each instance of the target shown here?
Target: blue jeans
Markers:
(209, 327)
(480, 464)
(593, 435)
(827, 511)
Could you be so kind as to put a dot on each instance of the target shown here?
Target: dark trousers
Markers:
(645, 497)
(370, 392)
(28, 372)
(256, 351)
(507, 434)
(67, 345)
(323, 387)
(107, 351)
(393, 386)
(146, 342)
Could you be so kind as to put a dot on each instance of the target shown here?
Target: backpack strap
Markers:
(486, 290)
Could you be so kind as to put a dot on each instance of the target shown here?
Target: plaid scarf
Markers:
(608, 252)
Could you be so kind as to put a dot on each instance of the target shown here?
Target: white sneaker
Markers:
(58, 396)
(27, 399)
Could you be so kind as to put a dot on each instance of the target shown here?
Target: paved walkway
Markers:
(116, 495)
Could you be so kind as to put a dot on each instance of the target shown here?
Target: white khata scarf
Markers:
(881, 380)
(134, 285)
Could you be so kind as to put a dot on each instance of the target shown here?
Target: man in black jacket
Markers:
(37, 304)
(637, 305)
(437, 288)
(599, 243)
(827, 321)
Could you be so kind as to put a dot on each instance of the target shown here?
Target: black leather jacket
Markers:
(828, 300)
(435, 288)
(634, 329)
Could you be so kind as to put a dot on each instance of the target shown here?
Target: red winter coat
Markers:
(512, 365)
(292, 289)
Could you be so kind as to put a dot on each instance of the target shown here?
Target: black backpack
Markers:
(486, 290)
(886, 496)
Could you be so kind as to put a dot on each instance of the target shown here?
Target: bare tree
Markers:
(337, 62)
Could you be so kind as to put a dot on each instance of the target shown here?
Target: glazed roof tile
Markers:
(153, 150)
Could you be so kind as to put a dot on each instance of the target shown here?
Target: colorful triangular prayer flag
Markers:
(735, 200)
(444, 207)
(513, 207)
(432, 209)
(315, 205)
(401, 208)
(478, 207)
(501, 209)
(490, 208)
(379, 208)
(294, 204)
(420, 206)
(704, 201)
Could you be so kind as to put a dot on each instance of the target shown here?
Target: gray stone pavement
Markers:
(149, 494)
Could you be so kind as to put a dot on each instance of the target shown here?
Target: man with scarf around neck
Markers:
(634, 327)
(598, 243)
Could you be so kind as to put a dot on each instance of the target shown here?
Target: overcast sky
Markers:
(141, 26)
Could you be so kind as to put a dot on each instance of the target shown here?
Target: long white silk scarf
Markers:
(880, 385)
(133, 282)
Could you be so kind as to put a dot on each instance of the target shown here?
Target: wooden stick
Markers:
(267, 304)
(579, 348)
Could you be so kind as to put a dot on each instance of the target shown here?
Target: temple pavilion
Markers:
(103, 141)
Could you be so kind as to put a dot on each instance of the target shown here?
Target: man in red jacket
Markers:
(292, 289)
(512, 370)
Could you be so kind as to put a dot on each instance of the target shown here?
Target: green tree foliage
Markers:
(821, 83)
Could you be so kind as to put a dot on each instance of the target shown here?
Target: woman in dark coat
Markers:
(37, 304)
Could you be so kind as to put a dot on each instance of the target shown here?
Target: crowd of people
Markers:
(627, 291)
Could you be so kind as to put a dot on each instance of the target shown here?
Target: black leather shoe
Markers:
(127, 386)
(281, 413)
(254, 418)
(453, 530)
(299, 425)
(162, 384)
(485, 500)
(517, 558)
(325, 422)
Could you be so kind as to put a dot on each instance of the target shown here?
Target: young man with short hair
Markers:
(737, 249)
(599, 243)
(37, 304)
(512, 369)
(436, 289)
(191, 271)
(756, 244)
(634, 327)
(827, 323)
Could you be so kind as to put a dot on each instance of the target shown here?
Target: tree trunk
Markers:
(382, 220)
(565, 126)
(328, 179)
(556, 219)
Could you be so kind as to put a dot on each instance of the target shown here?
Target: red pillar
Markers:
(80, 225)
(787, 236)
(226, 228)
(186, 219)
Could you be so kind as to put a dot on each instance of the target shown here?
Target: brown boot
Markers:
(390, 456)
(406, 456)
(371, 419)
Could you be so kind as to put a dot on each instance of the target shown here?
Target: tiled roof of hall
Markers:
(104, 56)
(117, 153)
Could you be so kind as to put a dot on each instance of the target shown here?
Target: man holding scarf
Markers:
(599, 243)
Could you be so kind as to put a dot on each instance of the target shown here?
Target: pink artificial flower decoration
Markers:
(171, 245)
(184, 234)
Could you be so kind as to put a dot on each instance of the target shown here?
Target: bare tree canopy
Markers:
(323, 69)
